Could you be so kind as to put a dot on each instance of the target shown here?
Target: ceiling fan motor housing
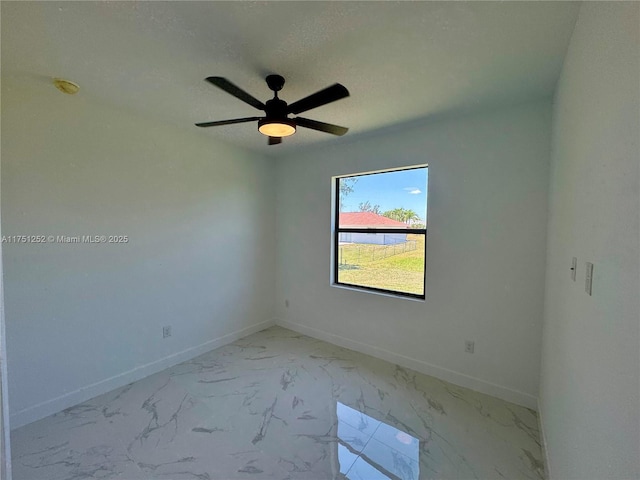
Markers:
(276, 109)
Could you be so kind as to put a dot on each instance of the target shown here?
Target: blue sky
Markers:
(400, 189)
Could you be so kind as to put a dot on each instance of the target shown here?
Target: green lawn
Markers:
(361, 264)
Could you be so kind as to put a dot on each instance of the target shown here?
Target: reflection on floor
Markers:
(369, 448)
(281, 405)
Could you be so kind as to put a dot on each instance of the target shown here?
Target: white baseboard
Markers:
(55, 405)
(543, 438)
(499, 391)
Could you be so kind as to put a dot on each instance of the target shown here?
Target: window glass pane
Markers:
(395, 199)
(388, 261)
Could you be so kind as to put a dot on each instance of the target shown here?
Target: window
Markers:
(380, 231)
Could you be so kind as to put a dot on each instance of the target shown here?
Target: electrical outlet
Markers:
(469, 346)
(166, 331)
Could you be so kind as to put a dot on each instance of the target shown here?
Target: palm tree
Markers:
(402, 215)
(410, 215)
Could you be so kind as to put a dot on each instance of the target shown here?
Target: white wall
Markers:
(5, 442)
(488, 178)
(590, 387)
(83, 319)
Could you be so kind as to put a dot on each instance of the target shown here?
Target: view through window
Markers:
(381, 232)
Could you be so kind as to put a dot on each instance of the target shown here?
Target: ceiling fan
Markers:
(276, 123)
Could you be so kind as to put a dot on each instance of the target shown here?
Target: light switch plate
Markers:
(588, 279)
(574, 266)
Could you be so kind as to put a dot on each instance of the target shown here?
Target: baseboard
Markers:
(457, 378)
(55, 405)
(543, 438)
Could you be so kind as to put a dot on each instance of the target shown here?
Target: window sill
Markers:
(374, 292)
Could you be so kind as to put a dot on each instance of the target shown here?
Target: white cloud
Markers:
(413, 190)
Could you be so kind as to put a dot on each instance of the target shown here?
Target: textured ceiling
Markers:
(401, 61)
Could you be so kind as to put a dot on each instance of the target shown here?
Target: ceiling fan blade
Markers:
(275, 140)
(321, 126)
(227, 122)
(237, 92)
(328, 95)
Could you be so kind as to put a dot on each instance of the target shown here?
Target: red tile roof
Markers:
(368, 220)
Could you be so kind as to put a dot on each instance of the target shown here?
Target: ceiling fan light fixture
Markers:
(276, 128)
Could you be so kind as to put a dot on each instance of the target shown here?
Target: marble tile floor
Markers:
(280, 405)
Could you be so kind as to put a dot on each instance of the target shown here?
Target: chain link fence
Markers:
(359, 253)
